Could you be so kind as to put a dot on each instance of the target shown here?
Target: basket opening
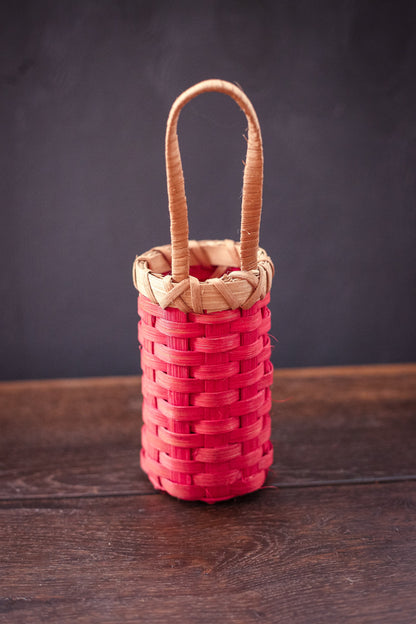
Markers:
(203, 273)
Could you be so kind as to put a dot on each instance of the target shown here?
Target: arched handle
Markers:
(252, 181)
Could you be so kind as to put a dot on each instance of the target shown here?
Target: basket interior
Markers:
(208, 259)
(203, 273)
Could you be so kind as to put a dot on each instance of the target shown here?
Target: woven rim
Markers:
(223, 290)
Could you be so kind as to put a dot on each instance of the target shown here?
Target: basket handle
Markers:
(252, 182)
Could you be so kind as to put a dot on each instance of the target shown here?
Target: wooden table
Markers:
(332, 538)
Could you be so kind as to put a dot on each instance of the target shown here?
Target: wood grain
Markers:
(81, 437)
(325, 554)
(84, 538)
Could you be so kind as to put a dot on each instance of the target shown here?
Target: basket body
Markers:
(206, 400)
(205, 349)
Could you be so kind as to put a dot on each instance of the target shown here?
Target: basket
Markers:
(205, 348)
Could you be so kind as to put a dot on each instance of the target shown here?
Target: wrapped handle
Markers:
(252, 182)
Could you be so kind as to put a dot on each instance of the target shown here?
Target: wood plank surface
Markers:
(85, 538)
(324, 554)
(81, 437)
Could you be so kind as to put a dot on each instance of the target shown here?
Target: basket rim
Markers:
(221, 291)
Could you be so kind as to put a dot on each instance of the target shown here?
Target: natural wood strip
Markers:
(81, 437)
(326, 555)
(224, 292)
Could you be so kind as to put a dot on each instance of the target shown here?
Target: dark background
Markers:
(86, 88)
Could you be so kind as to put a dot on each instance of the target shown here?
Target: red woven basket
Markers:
(204, 335)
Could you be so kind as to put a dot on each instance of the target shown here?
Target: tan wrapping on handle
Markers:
(252, 182)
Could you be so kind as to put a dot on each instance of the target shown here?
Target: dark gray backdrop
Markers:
(86, 87)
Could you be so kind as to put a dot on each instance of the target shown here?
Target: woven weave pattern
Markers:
(206, 400)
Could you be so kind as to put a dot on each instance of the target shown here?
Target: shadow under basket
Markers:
(205, 347)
